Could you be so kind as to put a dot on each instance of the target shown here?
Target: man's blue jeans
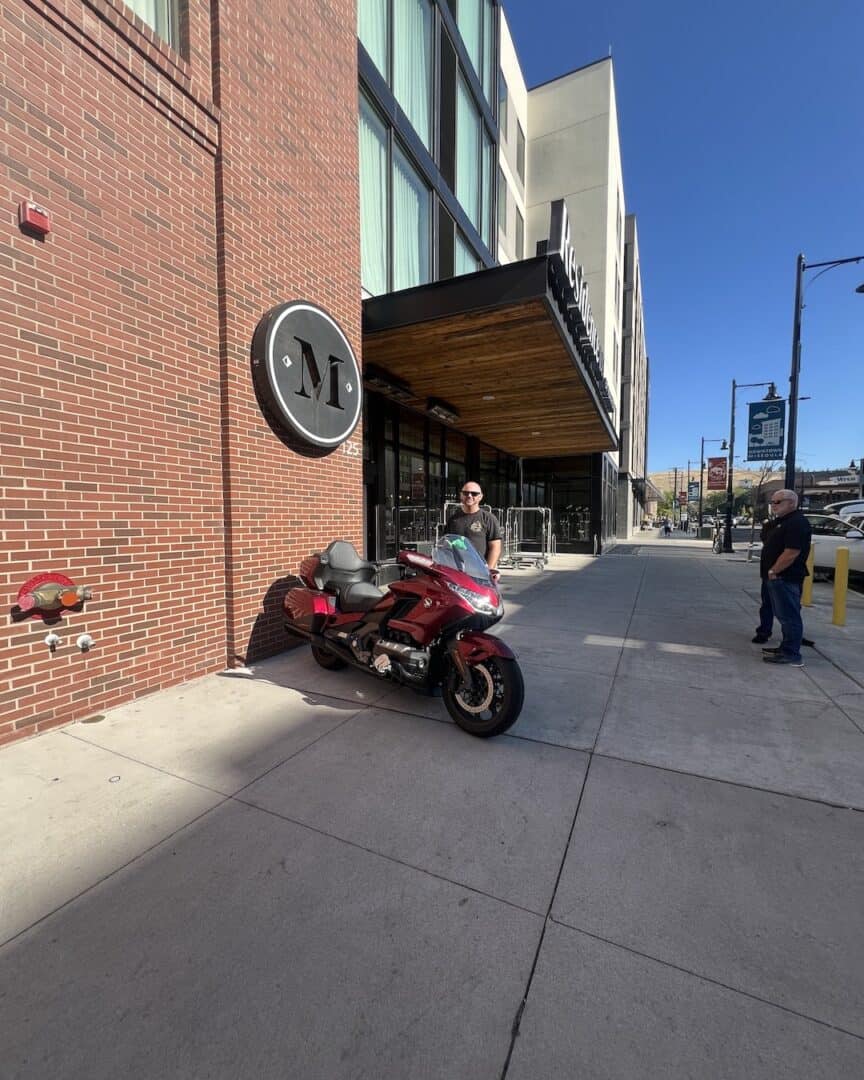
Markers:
(766, 613)
(786, 602)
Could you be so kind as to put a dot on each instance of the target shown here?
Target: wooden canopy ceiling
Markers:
(506, 367)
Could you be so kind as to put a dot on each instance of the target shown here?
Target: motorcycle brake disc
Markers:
(487, 692)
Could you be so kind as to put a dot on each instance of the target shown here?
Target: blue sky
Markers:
(742, 138)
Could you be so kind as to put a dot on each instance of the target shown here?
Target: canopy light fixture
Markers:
(382, 382)
(442, 410)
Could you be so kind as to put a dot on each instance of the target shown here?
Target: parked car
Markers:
(844, 509)
(831, 532)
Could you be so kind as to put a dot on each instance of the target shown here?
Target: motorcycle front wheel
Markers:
(493, 701)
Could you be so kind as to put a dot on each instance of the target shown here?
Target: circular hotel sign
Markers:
(307, 374)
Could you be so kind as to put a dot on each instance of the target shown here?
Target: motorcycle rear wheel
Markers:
(492, 704)
(327, 660)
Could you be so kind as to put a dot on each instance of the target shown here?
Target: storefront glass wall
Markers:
(414, 466)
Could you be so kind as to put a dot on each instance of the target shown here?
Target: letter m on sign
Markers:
(310, 367)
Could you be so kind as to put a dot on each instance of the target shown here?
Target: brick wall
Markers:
(287, 89)
(186, 200)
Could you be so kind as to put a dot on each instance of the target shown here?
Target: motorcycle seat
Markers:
(360, 596)
(343, 571)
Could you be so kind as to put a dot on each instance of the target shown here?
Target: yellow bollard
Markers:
(807, 587)
(841, 586)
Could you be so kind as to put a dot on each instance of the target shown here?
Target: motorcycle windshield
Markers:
(458, 553)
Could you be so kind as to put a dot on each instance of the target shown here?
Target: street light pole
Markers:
(675, 495)
(792, 431)
(727, 531)
(702, 469)
(772, 395)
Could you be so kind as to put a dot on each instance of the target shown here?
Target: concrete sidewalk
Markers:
(306, 874)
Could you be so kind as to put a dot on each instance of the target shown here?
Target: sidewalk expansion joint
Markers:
(517, 1019)
(708, 979)
(115, 871)
(388, 858)
(730, 783)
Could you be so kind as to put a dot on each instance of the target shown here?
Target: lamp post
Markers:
(801, 267)
(772, 395)
(702, 470)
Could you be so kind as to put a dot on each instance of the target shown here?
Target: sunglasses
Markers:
(472, 494)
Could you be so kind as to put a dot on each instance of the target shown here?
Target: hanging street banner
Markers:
(693, 491)
(766, 430)
(716, 473)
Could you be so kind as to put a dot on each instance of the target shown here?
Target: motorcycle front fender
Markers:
(474, 647)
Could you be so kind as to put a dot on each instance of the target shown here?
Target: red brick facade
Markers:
(188, 195)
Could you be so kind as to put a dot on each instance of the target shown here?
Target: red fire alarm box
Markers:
(34, 218)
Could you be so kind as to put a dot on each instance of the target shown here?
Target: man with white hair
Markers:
(783, 565)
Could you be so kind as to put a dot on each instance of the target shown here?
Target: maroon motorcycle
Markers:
(424, 629)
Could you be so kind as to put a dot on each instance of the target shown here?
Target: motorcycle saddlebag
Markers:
(307, 610)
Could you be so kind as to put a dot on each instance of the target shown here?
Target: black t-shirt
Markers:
(791, 531)
(479, 528)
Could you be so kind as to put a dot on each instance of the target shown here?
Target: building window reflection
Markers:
(396, 256)
(407, 65)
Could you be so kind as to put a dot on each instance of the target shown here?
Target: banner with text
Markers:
(693, 490)
(716, 473)
(766, 430)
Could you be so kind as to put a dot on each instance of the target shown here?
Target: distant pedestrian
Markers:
(667, 527)
(783, 567)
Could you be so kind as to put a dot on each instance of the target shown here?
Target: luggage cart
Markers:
(515, 554)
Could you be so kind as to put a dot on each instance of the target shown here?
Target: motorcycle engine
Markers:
(410, 663)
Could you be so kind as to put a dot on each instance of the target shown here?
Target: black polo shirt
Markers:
(791, 531)
(479, 528)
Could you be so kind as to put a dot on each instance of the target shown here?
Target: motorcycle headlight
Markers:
(477, 600)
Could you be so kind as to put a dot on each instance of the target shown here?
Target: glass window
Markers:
(465, 261)
(502, 202)
(412, 63)
(160, 16)
(488, 49)
(486, 191)
(412, 430)
(468, 20)
(520, 235)
(456, 477)
(520, 151)
(468, 154)
(372, 29)
(373, 200)
(411, 225)
(502, 106)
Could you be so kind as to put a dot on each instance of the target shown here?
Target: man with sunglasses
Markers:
(480, 527)
(783, 566)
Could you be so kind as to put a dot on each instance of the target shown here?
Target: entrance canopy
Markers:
(500, 352)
